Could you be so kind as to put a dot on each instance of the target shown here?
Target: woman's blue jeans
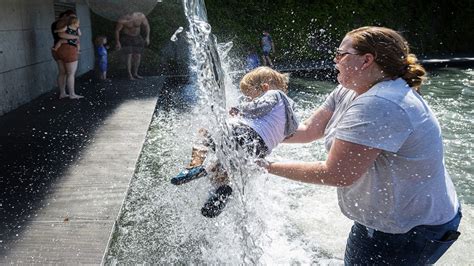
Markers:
(423, 244)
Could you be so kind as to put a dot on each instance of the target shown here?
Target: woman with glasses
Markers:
(385, 154)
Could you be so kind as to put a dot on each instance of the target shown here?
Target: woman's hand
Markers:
(263, 163)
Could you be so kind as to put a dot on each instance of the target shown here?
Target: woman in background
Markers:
(66, 56)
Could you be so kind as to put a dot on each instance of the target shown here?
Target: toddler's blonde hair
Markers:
(255, 78)
(73, 21)
(99, 40)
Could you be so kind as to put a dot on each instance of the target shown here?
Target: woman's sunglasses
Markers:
(340, 54)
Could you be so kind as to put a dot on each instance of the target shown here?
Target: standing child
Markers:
(267, 47)
(101, 50)
(71, 28)
(257, 126)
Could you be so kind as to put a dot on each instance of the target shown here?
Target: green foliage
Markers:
(309, 29)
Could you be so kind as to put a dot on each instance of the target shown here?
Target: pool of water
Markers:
(270, 220)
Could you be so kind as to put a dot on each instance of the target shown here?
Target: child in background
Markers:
(101, 50)
(267, 47)
(71, 28)
(257, 126)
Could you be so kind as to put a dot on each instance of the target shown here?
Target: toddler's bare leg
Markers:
(198, 155)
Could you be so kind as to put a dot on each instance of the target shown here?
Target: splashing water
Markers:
(289, 222)
(270, 220)
(212, 84)
(174, 38)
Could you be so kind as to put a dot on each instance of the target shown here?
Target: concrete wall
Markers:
(27, 69)
(86, 59)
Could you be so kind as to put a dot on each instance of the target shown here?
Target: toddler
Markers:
(257, 126)
(71, 28)
(101, 50)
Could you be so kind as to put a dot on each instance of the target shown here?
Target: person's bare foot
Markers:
(131, 78)
(75, 96)
(62, 96)
(138, 76)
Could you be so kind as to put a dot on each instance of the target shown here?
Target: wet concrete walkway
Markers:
(65, 170)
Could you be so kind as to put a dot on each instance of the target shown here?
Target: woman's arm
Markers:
(64, 35)
(346, 163)
(61, 27)
(311, 129)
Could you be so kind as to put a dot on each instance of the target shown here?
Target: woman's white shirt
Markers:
(408, 185)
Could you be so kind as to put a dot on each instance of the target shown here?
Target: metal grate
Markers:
(63, 5)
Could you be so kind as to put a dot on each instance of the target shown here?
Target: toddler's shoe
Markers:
(188, 174)
(216, 202)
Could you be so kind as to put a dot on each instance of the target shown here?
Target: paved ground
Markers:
(65, 169)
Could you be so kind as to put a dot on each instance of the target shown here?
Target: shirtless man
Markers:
(129, 39)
